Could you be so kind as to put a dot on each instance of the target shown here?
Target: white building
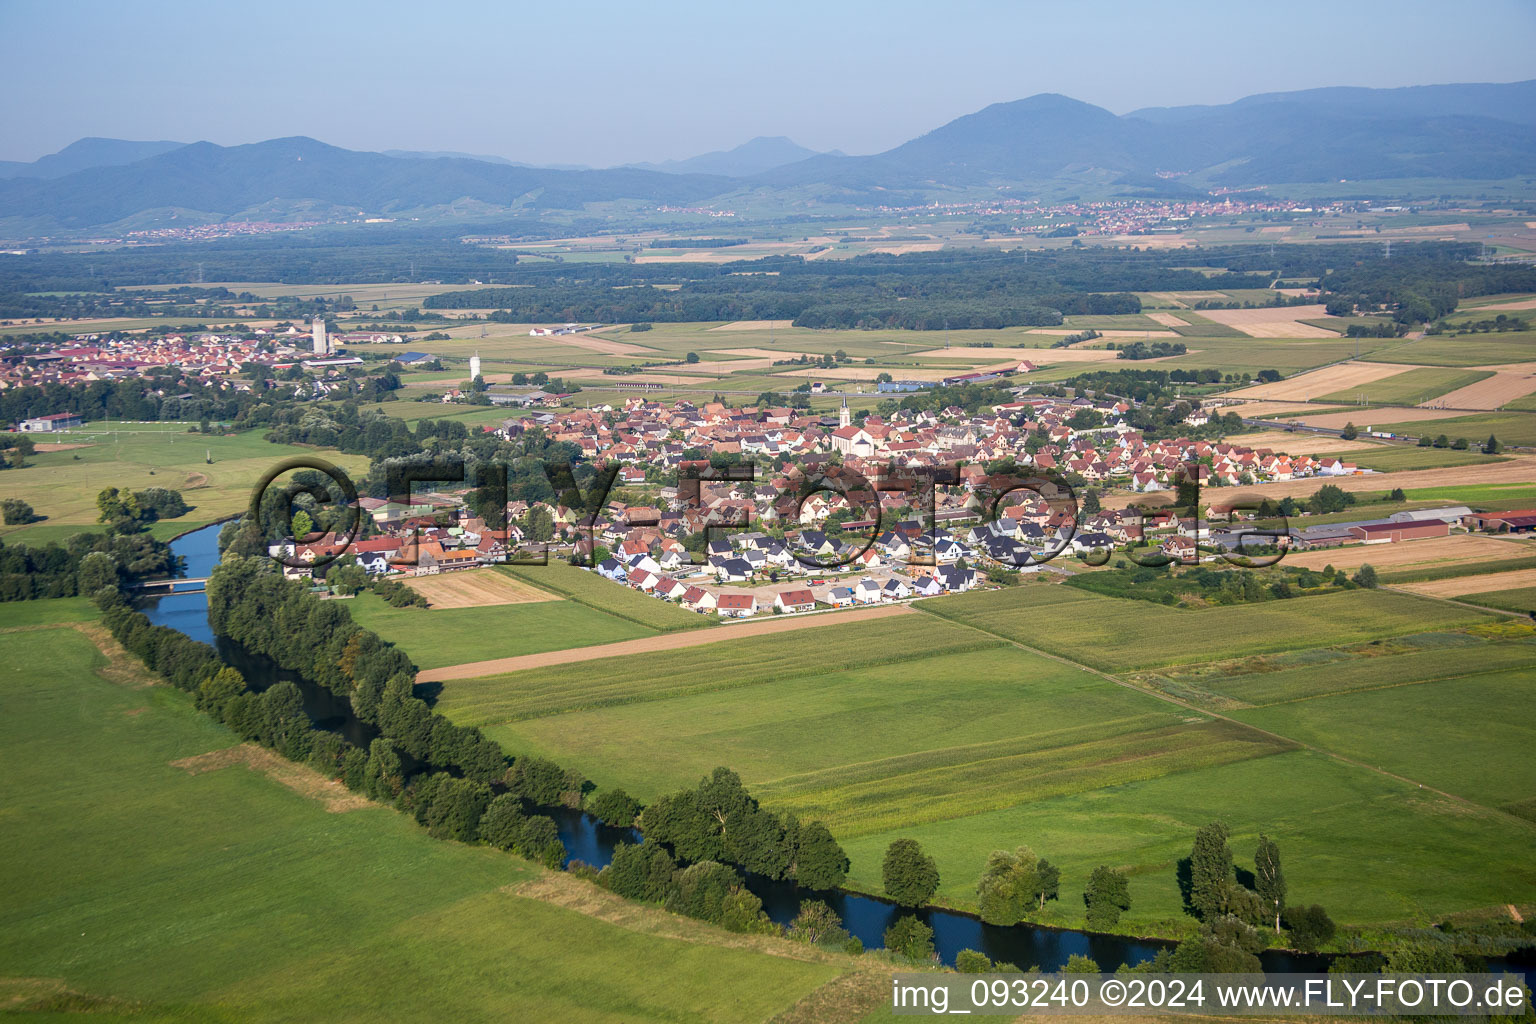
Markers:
(322, 343)
(474, 366)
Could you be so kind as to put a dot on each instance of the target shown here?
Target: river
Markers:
(588, 840)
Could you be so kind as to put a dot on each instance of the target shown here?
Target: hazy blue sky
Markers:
(605, 83)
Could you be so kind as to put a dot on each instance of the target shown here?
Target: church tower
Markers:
(843, 416)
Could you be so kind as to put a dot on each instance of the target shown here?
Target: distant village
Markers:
(766, 550)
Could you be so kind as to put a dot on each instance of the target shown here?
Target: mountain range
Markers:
(1474, 131)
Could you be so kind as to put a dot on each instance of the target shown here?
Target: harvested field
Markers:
(1491, 393)
(56, 446)
(647, 645)
(755, 325)
(475, 588)
(1183, 298)
(1469, 547)
(1038, 356)
(1114, 333)
(1281, 322)
(1253, 409)
(1516, 304)
(761, 353)
(1377, 419)
(603, 346)
(1517, 470)
(906, 247)
(1458, 585)
(1167, 319)
(1325, 381)
(1298, 443)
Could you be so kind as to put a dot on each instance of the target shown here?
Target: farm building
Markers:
(1521, 521)
(1391, 533)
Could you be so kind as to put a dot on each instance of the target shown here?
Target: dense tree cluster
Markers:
(82, 565)
(718, 820)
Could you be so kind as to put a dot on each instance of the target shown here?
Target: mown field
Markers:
(434, 637)
(62, 485)
(154, 893)
(592, 590)
(1117, 635)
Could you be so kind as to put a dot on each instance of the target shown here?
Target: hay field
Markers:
(1280, 322)
(1295, 443)
(1470, 547)
(475, 588)
(1376, 419)
(1506, 385)
(1167, 320)
(1458, 585)
(1325, 381)
(602, 346)
(1256, 409)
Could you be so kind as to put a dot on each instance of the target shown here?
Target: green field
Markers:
(1467, 350)
(1116, 635)
(592, 590)
(1477, 721)
(1395, 459)
(138, 889)
(63, 485)
(1509, 427)
(933, 728)
(1368, 847)
(434, 637)
(1410, 387)
(1521, 599)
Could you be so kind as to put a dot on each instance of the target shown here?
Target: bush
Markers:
(911, 877)
(1310, 927)
(616, 808)
(1107, 895)
(968, 961)
(911, 938)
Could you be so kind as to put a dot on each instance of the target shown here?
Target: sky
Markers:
(601, 84)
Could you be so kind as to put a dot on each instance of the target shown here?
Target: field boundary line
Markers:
(1391, 686)
(1528, 824)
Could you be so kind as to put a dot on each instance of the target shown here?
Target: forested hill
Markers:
(1475, 132)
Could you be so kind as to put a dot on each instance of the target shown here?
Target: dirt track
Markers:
(665, 642)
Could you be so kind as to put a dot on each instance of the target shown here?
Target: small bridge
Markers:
(172, 584)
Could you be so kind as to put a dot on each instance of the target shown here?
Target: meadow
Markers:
(1465, 751)
(62, 485)
(434, 637)
(1116, 635)
(1370, 848)
(142, 890)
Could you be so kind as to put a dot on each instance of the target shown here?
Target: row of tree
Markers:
(83, 564)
